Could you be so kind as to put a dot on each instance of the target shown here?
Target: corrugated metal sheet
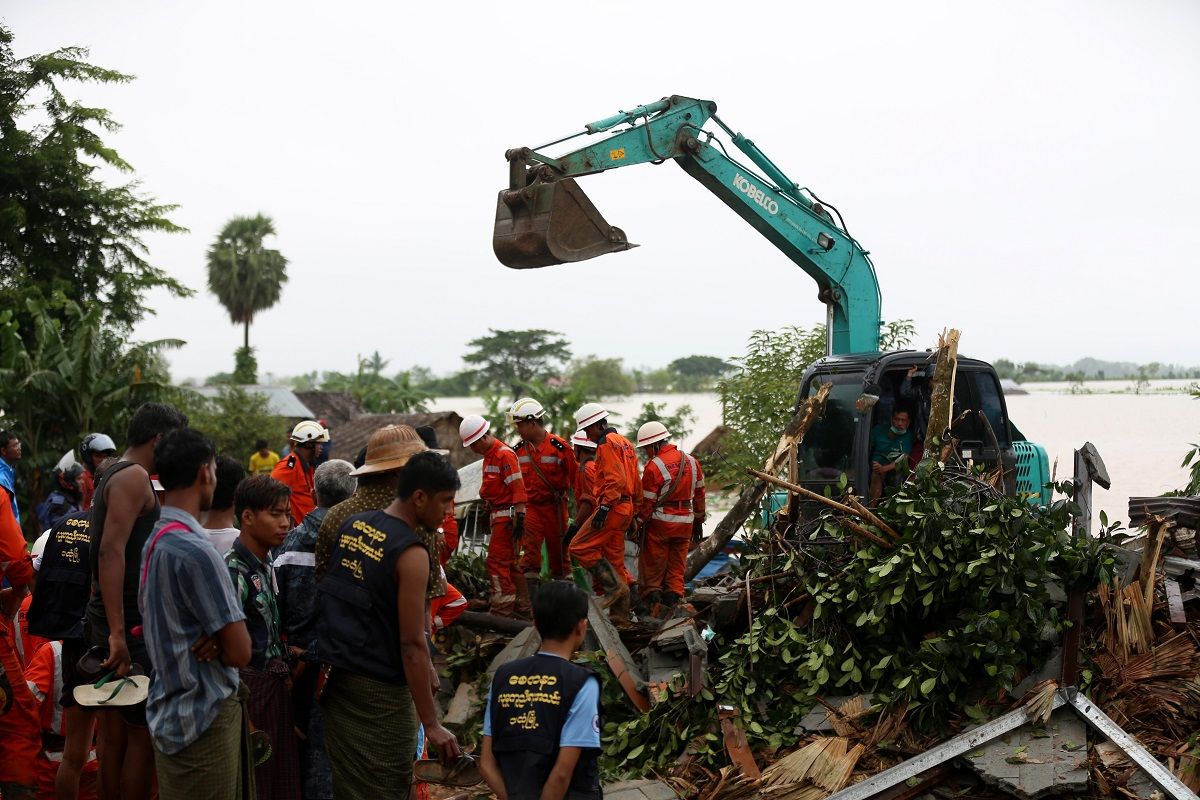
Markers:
(280, 399)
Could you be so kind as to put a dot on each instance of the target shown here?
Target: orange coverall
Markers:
(504, 492)
(44, 678)
(671, 502)
(548, 470)
(299, 478)
(449, 535)
(617, 482)
(20, 730)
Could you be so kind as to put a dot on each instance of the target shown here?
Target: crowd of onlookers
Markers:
(187, 627)
(166, 634)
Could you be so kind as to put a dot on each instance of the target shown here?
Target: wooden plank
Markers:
(1175, 603)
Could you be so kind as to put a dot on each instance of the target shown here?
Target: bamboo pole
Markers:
(941, 397)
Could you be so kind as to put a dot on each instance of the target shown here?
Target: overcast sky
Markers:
(1028, 172)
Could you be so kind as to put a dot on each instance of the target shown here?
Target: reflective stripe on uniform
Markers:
(665, 517)
(491, 469)
(296, 558)
(516, 476)
(649, 495)
(524, 459)
(662, 468)
(502, 514)
(550, 460)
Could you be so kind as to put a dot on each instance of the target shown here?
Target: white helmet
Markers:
(472, 429)
(39, 544)
(580, 439)
(651, 432)
(526, 410)
(589, 414)
(309, 431)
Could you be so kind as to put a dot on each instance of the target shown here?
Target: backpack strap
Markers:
(170, 526)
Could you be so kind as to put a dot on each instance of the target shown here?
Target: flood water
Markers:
(1141, 437)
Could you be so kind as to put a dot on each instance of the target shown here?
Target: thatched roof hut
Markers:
(350, 437)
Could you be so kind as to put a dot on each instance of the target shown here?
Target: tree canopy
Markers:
(510, 360)
(63, 230)
(245, 275)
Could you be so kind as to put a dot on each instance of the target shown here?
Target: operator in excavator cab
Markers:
(891, 446)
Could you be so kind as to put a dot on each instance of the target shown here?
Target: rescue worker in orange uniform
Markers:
(548, 469)
(585, 479)
(449, 526)
(504, 492)
(672, 512)
(44, 677)
(599, 546)
(20, 728)
(297, 469)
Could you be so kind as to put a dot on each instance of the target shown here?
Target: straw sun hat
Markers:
(390, 448)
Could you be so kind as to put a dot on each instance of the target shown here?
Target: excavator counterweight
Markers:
(549, 223)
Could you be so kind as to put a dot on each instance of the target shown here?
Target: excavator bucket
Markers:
(551, 223)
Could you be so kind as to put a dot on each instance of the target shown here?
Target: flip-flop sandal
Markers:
(113, 692)
(260, 746)
(90, 664)
(462, 774)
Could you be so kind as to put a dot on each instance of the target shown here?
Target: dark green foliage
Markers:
(939, 623)
(233, 419)
(62, 228)
(376, 392)
(757, 399)
(601, 377)
(507, 361)
(70, 375)
(678, 424)
(245, 366)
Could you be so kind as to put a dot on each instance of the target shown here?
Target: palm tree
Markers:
(245, 276)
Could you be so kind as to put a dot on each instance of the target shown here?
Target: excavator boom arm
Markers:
(543, 218)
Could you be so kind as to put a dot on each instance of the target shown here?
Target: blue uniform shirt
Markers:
(582, 726)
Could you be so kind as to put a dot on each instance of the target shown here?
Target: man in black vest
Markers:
(541, 729)
(57, 612)
(371, 632)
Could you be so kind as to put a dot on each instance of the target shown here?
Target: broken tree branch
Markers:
(748, 500)
(941, 396)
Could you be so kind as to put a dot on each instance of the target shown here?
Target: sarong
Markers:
(371, 737)
(270, 710)
(217, 766)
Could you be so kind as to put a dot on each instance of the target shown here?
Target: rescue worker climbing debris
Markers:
(296, 471)
(672, 514)
(599, 546)
(548, 469)
(503, 489)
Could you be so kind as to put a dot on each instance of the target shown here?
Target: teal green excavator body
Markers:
(544, 218)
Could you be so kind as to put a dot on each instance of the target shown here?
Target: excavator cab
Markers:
(542, 220)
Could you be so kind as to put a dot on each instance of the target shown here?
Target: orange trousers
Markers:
(502, 562)
(591, 545)
(544, 522)
(663, 558)
(48, 774)
(20, 728)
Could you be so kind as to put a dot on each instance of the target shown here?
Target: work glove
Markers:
(572, 529)
(599, 517)
(518, 526)
(697, 530)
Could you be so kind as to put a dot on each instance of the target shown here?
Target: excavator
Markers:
(543, 218)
